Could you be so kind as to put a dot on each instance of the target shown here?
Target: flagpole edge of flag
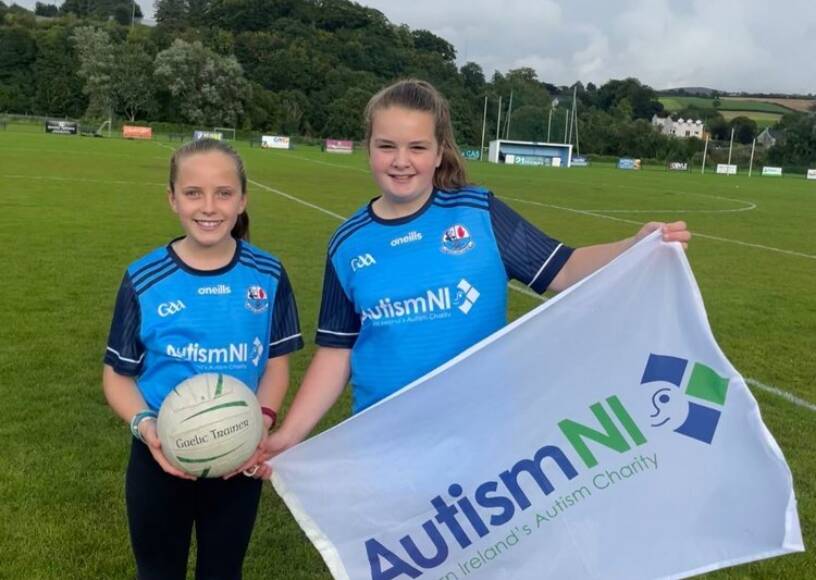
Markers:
(319, 540)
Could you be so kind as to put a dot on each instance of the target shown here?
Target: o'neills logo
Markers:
(406, 239)
(211, 435)
(219, 290)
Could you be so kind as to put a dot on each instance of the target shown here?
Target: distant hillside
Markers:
(694, 91)
(765, 111)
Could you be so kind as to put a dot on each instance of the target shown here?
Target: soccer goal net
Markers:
(228, 133)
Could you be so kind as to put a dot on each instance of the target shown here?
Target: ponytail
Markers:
(240, 231)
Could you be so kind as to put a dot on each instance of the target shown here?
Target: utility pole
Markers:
(509, 112)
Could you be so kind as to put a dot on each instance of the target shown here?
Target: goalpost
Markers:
(227, 132)
(102, 128)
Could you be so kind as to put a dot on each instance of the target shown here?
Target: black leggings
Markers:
(161, 512)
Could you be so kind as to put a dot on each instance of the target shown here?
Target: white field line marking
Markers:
(695, 234)
(350, 168)
(296, 200)
(779, 392)
(747, 207)
(784, 394)
(84, 180)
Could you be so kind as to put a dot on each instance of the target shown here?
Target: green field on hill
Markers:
(76, 211)
(675, 103)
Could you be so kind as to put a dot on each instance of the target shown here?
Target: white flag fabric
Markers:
(602, 435)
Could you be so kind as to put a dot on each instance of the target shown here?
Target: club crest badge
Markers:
(456, 240)
(256, 299)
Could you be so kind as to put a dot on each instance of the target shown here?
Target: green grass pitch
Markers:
(75, 211)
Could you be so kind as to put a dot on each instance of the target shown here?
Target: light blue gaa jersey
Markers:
(172, 322)
(409, 294)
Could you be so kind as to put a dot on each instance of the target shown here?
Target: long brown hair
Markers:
(417, 95)
(240, 231)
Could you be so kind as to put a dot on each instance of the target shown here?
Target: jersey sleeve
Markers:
(285, 337)
(339, 324)
(529, 255)
(125, 351)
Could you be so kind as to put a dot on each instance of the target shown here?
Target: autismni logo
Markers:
(433, 304)
(703, 386)
(466, 296)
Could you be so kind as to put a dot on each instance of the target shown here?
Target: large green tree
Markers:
(205, 88)
(133, 80)
(96, 63)
(58, 89)
(18, 51)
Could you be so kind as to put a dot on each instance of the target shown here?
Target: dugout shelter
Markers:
(530, 153)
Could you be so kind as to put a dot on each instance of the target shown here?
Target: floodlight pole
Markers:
(132, 14)
(751, 164)
(730, 146)
(705, 151)
(566, 123)
(509, 112)
(549, 124)
(498, 121)
(484, 126)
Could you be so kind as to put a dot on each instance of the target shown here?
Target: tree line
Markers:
(295, 67)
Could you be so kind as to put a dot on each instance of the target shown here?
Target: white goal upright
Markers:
(227, 132)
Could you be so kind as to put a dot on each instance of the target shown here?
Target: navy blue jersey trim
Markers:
(484, 207)
(196, 272)
(261, 263)
(286, 346)
(140, 291)
(144, 280)
(401, 220)
(274, 273)
(473, 196)
(349, 223)
(159, 266)
(463, 199)
(261, 259)
(550, 268)
(148, 266)
(334, 340)
(333, 248)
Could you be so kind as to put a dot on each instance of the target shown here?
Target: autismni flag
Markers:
(602, 435)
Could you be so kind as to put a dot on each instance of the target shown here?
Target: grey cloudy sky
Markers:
(732, 45)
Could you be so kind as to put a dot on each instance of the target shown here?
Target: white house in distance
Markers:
(678, 128)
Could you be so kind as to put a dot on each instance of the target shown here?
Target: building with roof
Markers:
(679, 128)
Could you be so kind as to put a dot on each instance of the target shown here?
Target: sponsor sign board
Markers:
(60, 127)
(275, 142)
(207, 135)
(580, 162)
(526, 160)
(337, 146)
(678, 166)
(725, 169)
(627, 163)
(471, 154)
(811, 174)
(131, 132)
(775, 171)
